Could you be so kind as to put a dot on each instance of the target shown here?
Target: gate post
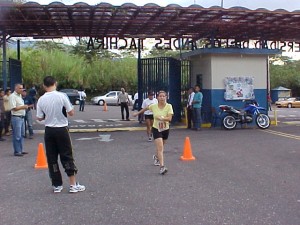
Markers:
(140, 76)
(4, 62)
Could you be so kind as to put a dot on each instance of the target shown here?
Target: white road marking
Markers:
(105, 138)
(86, 139)
(101, 137)
(98, 120)
(80, 121)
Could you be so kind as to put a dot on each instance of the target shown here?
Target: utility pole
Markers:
(222, 3)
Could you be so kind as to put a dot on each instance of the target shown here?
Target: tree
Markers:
(285, 72)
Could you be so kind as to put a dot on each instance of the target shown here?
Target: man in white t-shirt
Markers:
(53, 107)
(82, 97)
(149, 114)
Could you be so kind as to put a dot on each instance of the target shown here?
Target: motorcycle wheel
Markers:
(263, 121)
(229, 122)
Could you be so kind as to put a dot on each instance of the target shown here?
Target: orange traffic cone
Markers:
(105, 107)
(187, 150)
(41, 161)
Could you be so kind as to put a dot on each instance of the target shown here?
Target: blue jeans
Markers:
(197, 118)
(18, 133)
(28, 123)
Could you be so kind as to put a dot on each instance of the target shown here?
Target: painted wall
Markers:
(238, 66)
(201, 64)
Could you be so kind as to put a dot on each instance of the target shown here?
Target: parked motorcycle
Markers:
(250, 112)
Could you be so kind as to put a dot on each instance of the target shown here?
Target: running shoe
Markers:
(150, 139)
(156, 161)
(163, 170)
(76, 188)
(57, 189)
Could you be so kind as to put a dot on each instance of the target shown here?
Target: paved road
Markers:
(245, 176)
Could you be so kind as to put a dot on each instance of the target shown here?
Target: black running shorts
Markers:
(149, 117)
(156, 134)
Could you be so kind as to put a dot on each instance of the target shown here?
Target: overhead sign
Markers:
(187, 44)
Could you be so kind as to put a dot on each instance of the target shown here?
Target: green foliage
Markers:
(73, 67)
(285, 72)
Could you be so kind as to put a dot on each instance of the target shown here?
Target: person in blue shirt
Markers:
(197, 104)
(28, 100)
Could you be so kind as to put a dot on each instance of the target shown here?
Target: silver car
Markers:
(111, 98)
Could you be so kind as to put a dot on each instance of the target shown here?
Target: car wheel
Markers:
(289, 105)
(76, 102)
(101, 102)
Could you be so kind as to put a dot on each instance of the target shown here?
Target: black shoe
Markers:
(24, 153)
(2, 139)
(128, 119)
(18, 154)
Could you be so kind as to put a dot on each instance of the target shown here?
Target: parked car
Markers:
(111, 98)
(72, 94)
(289, 103)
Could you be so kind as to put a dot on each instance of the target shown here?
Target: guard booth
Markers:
(167, 74)
(229, 76)
(280, 93)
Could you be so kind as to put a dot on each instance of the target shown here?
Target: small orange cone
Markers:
(41, 160)
(187, 150)
(105, 107)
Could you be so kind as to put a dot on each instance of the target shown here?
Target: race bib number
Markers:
(162, 125)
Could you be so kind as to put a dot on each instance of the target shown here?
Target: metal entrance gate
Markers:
(15, 72)
(168, 74)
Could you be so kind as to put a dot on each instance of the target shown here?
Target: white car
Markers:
(111, 98)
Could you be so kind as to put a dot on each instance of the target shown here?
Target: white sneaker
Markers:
(150, 139)
(57, 189)
(76, 188)
(163, 170)
(156, 161)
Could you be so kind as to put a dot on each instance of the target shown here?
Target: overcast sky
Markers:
(289, 5)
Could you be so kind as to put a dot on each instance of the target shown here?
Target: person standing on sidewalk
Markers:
(197, 104)
(82, 97)
(269, 101)
(124, 101)
(53, 107)
(162, 114)
(18, 109)
(149, 114)
(189, 108)
(2, 114)
(135, 102)
(28, 100)
(7, 119)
